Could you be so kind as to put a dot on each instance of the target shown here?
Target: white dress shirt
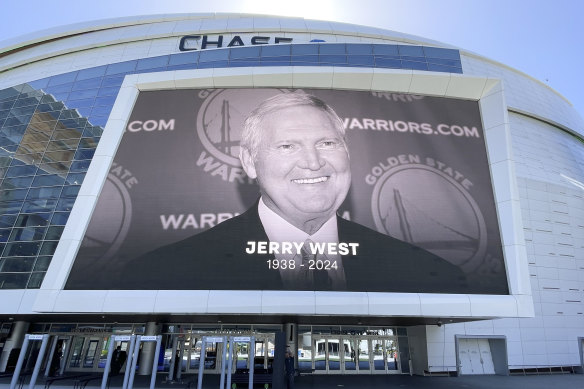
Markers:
(279, 231)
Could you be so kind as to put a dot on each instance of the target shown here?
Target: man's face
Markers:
(302, 164)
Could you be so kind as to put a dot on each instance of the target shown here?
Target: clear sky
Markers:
(540, 38)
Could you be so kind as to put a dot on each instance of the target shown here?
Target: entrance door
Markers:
(355, 354)
(85, 353)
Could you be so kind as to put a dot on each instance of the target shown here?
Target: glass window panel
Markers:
(69, 191)
(81, 105)
(91, 73)
(66, 134)
(59, 92)
(275, 61)
(441, 68)
(35, 281)
(65, 204)
(16, 182)
(360, 60)
(332, 48)
(413, 59)
(109, 91)
(10, 206)
(186, 58)
(245, 52)
(9, 93)
(275, 50)
(333, 59)
(182, 67)
(442, 53)
(17, 249)
(41, 205)
(60, 168)
(42, 263)
(9, 148)
(75, 178)
(411, 51)
(13, 280)
(388, 63)
(55, 156)
(88, 143)
(33, 147)
(99, 121)
(82, 94)
(447, 62)
(7, 220)
(242, 63)
(304, 49)
(383, 49)
(62, 78)
(44, 193)
(60, 218)
(150, 63)
(120, 67)
(38, 219)
(18, 264)
(18, 171)
(101, 111)
(92, 131)
(4, 234)
(28, 102)
(10, 195)
(63, 144)
(213, 55)
(112, 81)
(27, 234)
(48, 180)
(80, 166)
(48, 248)
(90, 83)
(359, 48)
(213, 64)
(414, 65)
(308, 59)
(54, 233)
(106, 100)
(5, 161)
(84, 154)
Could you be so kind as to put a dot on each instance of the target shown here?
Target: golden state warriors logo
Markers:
(427, 203)
(219, 123)
(112, 215)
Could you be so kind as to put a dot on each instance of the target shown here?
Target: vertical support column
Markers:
(173, 358)
(51, 353)
(222, 380)
(155, 362)
(291, 330)
(201, 363)
(134, 362)
(108, 362)
(19, 364)
(129, 362)
(147, 349)
(180, 358)
(251, 360)
(232, 344)
(39, 362)
(17, 335)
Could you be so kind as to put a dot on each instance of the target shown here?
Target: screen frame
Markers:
(487, 91)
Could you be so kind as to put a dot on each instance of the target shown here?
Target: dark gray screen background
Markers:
(159, 172)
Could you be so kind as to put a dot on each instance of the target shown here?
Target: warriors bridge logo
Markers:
(423, 201)
(219, 123)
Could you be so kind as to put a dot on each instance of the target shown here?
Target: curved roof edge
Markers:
(62, 32)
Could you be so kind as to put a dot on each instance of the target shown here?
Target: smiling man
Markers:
(294, 145)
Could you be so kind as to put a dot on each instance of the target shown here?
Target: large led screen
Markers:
(273, 189)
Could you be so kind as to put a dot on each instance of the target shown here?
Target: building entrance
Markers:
(187, 352)
(348, 354)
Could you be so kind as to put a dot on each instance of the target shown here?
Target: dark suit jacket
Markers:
(216, 259)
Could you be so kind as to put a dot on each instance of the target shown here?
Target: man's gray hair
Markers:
(251, 132)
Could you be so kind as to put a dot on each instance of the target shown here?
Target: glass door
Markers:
(87, 352)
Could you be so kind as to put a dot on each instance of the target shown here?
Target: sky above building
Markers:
(539, 38)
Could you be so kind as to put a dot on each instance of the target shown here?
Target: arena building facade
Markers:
(90, 180)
